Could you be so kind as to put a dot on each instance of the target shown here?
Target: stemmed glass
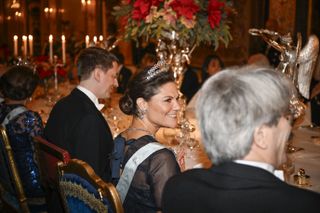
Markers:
(115, 120)
(185, 136)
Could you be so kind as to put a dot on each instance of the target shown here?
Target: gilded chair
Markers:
(83, 191)
(48, 156)
(11, 189)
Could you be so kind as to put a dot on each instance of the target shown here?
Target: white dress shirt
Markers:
(278, 173)
(91, 96)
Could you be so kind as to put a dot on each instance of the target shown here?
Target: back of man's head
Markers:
(236, 101)
(94, 57)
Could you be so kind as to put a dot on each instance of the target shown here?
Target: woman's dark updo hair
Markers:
(18, 83)
(143, 86)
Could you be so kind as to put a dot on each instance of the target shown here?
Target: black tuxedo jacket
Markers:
(233, 187)
(75, 124)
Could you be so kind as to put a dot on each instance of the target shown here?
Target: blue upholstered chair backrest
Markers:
(82, 196)
(83, 191)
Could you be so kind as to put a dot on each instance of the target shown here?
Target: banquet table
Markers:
(309, 158)
(195, 157)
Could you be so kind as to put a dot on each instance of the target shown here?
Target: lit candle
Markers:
(30, 37)
(63, 39)
(50, 48)
(173, 35)
(25, 48)
(15, 46)
(87, 41)
(101, 38)
(95, 40)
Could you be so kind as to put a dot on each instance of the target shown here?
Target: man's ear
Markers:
(260, 137)
(96, 73)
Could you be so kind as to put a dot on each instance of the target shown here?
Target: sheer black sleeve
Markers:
(163, 165)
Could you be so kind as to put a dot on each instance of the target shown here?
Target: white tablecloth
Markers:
(309, 158)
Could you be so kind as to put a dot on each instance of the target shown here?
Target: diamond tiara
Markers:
(160, 66)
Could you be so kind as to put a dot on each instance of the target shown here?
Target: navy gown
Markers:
(20, 131)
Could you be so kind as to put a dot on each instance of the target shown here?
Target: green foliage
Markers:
(162, 18)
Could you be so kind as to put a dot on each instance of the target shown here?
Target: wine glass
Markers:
(115, 120)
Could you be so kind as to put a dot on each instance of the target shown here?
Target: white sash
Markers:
(12, 114)
(131, 166)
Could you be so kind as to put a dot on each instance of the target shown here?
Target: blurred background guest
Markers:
(246, 143)
(147, 60)
(315, 102)
(124, 74)
(211, 65)
(22, 124)
(151, 99)
(190, 83)
(258, 59)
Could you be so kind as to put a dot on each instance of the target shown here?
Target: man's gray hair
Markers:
(234, 102)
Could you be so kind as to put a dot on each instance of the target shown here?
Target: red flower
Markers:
(186, 8)
(214, 12)
(141, 8)
(156, 2)
(61, 72)
(44, 73)
(123, 21)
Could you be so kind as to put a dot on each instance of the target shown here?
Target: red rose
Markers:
(44, 73)
(61, 72)
(141, 9)
(214, 12)
(186, 8)
(156, 2)
(123, 21)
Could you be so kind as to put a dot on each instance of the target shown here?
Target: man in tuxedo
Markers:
(245, 122)
(76, 123)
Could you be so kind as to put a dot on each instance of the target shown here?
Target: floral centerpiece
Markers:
(49, 74)
(179, 26)
(45, 70)
(194, 21)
